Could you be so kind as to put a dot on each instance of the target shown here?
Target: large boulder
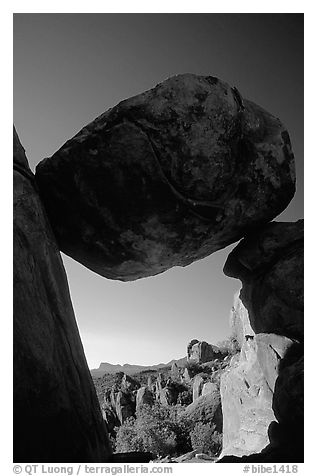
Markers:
(270, 263)
(247, 388)
(206, 409)
(56, 412)
(200, 352)
(167, 177)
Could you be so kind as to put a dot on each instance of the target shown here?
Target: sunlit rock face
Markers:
(200, 352)
(167, 177)
(56, 412)
(247, 388)
(262, 391)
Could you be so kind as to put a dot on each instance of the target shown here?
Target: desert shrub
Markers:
(185, 397)
(205, 438)
(127, 438)
(162, 430)
(112, 440)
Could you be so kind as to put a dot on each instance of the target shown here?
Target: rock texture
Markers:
(167, 177)
(239, 321)
(270, 265)
(125, 406)
(201, 352)
(144, 397)
(206, 409)
(247, 388)
(198, 384)
(56, 413)
(209, 387)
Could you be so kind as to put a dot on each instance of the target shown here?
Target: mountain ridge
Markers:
(131, 369)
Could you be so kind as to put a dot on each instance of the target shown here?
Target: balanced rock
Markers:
(166, 178)
(270, 263)
(57, 417)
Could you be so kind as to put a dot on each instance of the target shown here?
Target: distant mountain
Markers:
(130, 369)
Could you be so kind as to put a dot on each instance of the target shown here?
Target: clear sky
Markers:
(69, 68)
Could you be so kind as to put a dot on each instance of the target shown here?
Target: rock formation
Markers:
(167, 177)
(209, 387)
(247, 388)
(110, 418)
(198, 383)
(168, 394)
(144, 397)
(206, 409)
(175, 372)
(201, 352)
(269, 263)
(239, 321)
(56, 413)
(187, 375)
(120, 399)
(125, 406)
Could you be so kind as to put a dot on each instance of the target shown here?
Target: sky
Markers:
(70, 68)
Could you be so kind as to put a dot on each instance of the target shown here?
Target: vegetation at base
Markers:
(206, 439)
(165, 430)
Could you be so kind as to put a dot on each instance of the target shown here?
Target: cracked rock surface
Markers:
(167, 177)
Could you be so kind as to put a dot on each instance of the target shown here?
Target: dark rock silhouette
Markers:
(270, 264)
(167, 177)
(56, 413)
(125, 406)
